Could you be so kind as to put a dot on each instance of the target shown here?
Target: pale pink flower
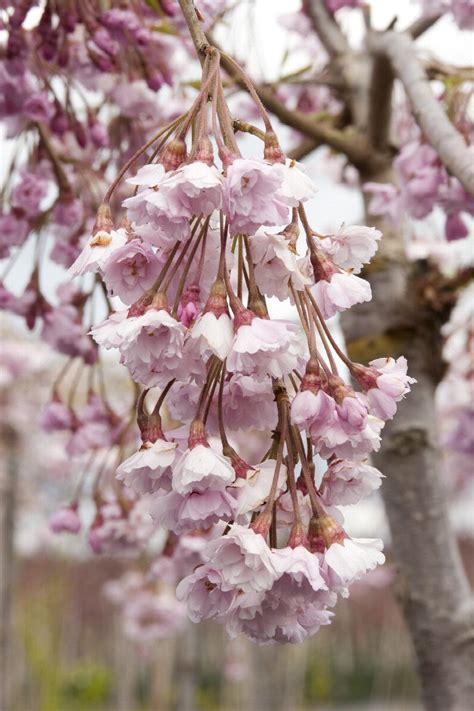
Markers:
(386, 382)
(266, 347)
(149, 210)
(131, 270)
(240, 394)
(340, 292)
(149, 469)
(29, 193)
(39, 107)
(205, 594)
(352, 246)
(252, 492)
(309, 407)
(13, 232)
(275, 265)
(194, 189)
(65, 520)
(201, 468)
(57, 416)
(171, 199)
(117, 530)
(251, 195)
(348, 560)
(64, 331)
(355, 446)
(197, 509)
(385, 200)
(292, 609)
(212, 334)
(463, 13)
(296, 186)
(243, 559)
(151, 345)
(97, 251)
(346, 482)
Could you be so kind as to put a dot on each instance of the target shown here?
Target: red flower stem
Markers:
(281, 395)
(140, 152)
(182, 282)
(312, 492)
(323, 323)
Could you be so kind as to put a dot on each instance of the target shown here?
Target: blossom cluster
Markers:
(205, 239)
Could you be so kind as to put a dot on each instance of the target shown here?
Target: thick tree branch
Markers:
(430, 115)
(326, 28)
(380, 102)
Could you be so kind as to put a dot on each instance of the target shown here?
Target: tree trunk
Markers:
(434, 590)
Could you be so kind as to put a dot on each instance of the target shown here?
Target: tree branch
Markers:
(326, 28)
(197, 35)
(380, 102)
(422, 25)
(431, 117)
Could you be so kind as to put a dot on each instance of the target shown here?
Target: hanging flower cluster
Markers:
(206, 238)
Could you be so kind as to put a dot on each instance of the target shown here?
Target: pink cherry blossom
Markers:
(13, 232)
(352, 246)
(309, 407)
(296, 187)
(205, 593)
(151, 345)
(39, 107)
(243, 559)
(65, 521)
(263, 347)
(346, 482)
(57, 416)
(182, 513)
(148, 469)
(97, 251)
(131, 270)
(152, 616)
(348, 560)
(29, 193)
(386, 382)
(276, 265)
(212, 334)
(201, 468)
(251, 195)
(340, 292)
(63, 330)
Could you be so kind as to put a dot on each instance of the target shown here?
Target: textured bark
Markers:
(433, 587)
